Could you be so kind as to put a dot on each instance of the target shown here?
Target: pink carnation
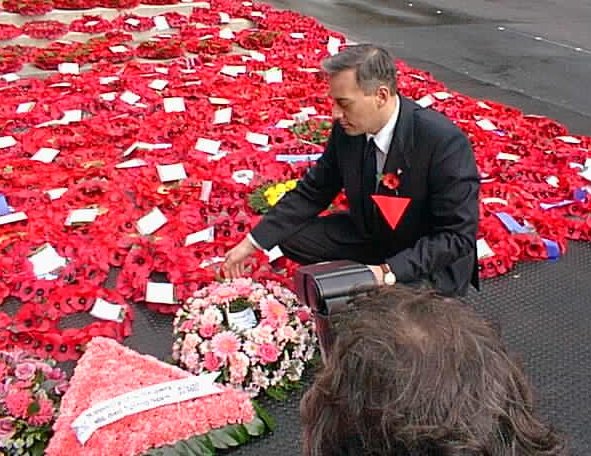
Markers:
(303, 315)
(207, 331)
(268, 353)
(44, 415)
(17, 403)
(225, 344)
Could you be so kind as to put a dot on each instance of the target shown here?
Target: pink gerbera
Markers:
(274, 312)
(225, 344)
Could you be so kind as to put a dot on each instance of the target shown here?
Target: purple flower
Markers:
(25, 371)
(7, 429)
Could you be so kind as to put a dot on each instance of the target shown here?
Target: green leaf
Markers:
(222, 439)
(265, 416)
(256, 427)
(278, 394)
(33, 408)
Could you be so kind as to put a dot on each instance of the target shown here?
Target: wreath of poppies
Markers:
(112, 136)
(47, 30)
(9, 31)
(28, 7)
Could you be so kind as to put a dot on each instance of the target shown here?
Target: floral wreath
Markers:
(257, 335)
(268, 195)
(30, 393)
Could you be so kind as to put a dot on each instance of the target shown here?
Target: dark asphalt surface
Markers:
(532, 54)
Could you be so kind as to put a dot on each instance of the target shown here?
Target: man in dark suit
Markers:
(377, 132)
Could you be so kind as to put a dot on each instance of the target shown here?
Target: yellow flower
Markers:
(275, 192)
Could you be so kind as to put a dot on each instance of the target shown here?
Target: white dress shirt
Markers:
(383, 138)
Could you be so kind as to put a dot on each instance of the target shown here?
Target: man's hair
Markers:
(373, 65)
(413, 373)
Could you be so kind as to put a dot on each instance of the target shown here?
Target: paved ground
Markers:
(533, 54)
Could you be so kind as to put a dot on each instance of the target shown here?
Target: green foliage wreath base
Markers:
(224, 438)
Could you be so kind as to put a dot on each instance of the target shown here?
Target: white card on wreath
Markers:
(104, 310)
(233, 70)
(219, 101)
(257, 56)
(274, 75)
(68, 68)
(133, 163)
(442, 96)
(508, 157)
(7, 141)
(91, 23)
(151, 222)
(243, 176)
(257, 139)
(224, 18)
(129, 97)
(206, 187)
(569, 139)
(13, 217)
(298, 35)
(160, 293)
(161, 23)
(56, 193)
(105, 80)
(120, 49)
(486, 125)
(243, 320)
(82, 216)
(222, 116)
(483, 249)
(108, 96)
(170, 173)
(23, 108)
(226, 33)
(46, 260)
(158, 84)
(11, 77)
(333, 45)
(206, 235)
(425, 101)
(132, 21)
(45, 155)
(174, 104)
(71, 115)
(285, 123)
(209, 146)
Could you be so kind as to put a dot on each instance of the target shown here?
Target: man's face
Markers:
(356, 111)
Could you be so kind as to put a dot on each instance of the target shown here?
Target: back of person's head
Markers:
(414, 373)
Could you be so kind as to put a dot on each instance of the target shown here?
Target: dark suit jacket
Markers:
(436, 238)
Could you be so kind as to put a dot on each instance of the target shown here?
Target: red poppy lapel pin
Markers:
(391, 180)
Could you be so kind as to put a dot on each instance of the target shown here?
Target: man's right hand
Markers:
(233, 267)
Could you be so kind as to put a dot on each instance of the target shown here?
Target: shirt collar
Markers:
(383, 138)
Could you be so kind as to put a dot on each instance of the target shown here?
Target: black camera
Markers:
(327, 289)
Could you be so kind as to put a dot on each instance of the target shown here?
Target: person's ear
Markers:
(382, 95)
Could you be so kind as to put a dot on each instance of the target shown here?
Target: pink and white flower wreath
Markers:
(272, 354)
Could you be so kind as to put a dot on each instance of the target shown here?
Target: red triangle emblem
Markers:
(392, 208)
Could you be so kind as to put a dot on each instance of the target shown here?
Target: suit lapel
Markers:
(398, 161)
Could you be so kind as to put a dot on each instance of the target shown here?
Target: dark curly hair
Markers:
(414, 373)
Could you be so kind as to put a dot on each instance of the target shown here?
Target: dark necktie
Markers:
(369, 181)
